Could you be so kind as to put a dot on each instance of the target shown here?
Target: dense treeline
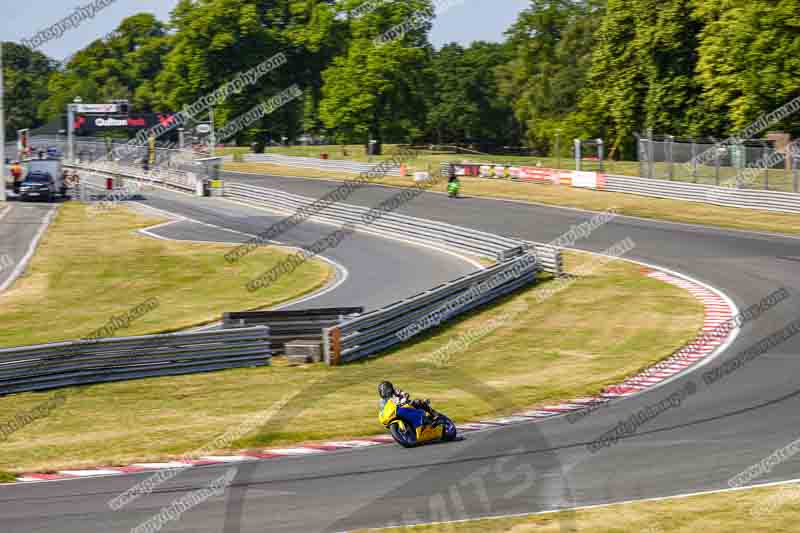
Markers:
(587, 68)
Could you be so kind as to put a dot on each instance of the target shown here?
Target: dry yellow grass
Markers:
(627, 204)
(595, 332)
(773, 509)
(87, 269)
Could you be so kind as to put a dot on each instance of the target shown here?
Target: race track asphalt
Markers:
(20, 222)
(716, 432)
(377, 271)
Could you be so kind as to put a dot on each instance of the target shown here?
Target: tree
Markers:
(121, 65)
(375, 90)
(464, 104)
(552, 43)
(749, 59)
(642, 73)
(217, 39)
(25, 75)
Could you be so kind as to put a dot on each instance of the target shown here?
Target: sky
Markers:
(465, 21)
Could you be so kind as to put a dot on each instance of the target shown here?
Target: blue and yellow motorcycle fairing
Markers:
(407, 425)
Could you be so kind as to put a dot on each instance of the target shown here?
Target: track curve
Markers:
(719, 431)
(380, 272)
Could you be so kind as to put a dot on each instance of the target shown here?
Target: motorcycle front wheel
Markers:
(407, 438)
(449, 433)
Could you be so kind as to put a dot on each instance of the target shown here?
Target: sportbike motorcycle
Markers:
(411, 427)
(453, 188)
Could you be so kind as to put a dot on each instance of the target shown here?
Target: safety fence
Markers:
(88, 149)
(368, 334)
(766, 164)
(386, 223)
(90, 193)
(374, 332)
(291, 326)
(48, 366)
(394, 225)
(769, 200)
(726, 196)
(521, 173)
(353, 167)
(178, 179)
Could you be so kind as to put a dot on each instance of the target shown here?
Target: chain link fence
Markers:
(751, 164)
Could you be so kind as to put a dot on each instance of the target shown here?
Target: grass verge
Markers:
(596, 331)
(773, 509)
(88, 269)
(627, 204)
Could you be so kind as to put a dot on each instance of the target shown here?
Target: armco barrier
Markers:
(785, 202)
(288, 326)
(395, 225)
(168, 177)
(48, 366)
(390, 224)
(319, 164)
(371, 333)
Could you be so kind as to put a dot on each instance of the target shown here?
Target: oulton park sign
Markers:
(87, 124)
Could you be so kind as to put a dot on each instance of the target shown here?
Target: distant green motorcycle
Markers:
(453, 188)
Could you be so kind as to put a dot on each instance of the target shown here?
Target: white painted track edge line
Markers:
(589, 507)
(702, 362)
(342, 273)
(23, 263)
(550, 206)
(363, 230)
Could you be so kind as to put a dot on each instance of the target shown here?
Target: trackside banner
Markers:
(86, 124)
(572, 178)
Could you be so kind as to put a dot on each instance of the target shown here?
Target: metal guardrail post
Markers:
(326, 345)
(577, 143)
(766, 167)
(558, 149)
(670, 144)
(334, 354)
(639, 153)
(645, 168)
(716, 166)
(600, 154)
(694, 160)
(739, 156)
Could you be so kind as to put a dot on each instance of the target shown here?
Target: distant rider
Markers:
(388, 392)
(453, 184)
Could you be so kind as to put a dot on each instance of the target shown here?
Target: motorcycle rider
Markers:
(388, 392)
(453, 184)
